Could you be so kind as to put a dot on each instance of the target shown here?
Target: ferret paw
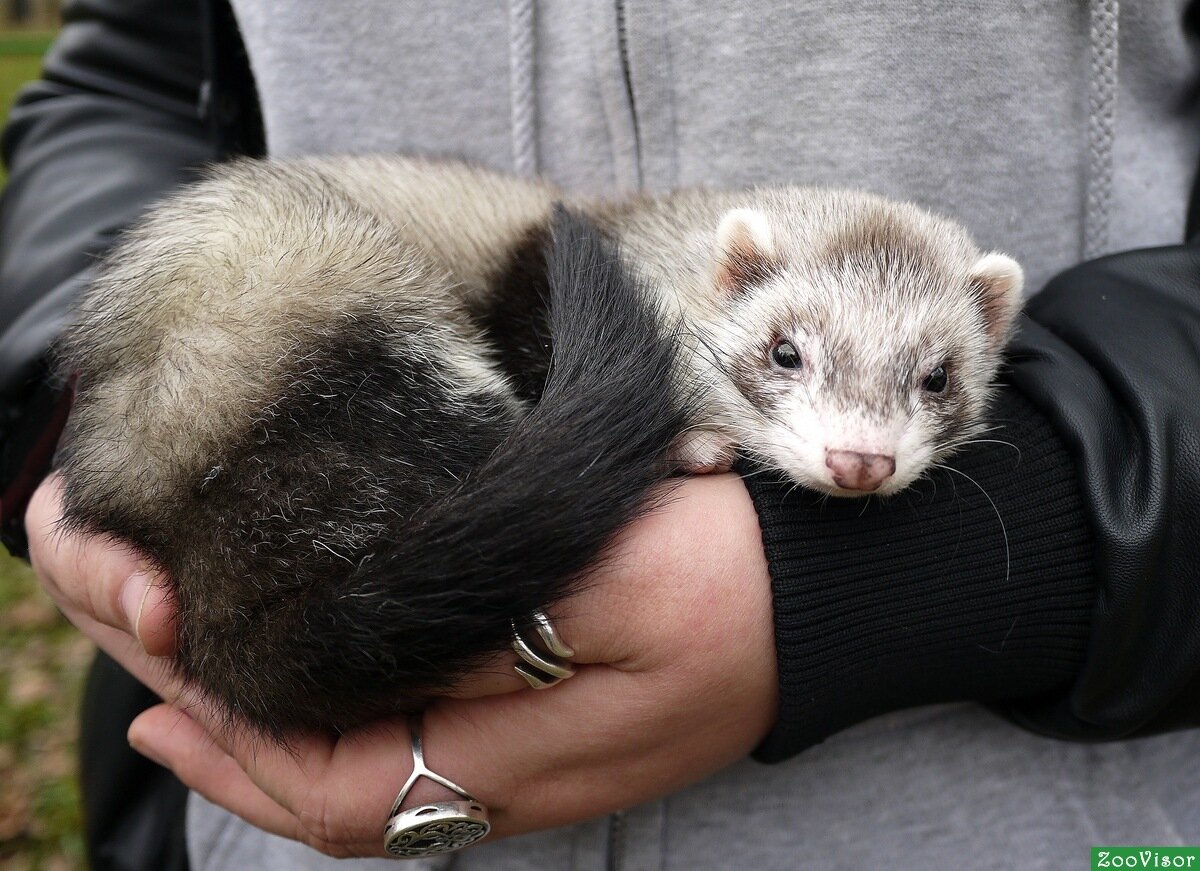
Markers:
(703, 452)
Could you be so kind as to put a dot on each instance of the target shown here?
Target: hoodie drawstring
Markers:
(522, 67)
(1102, 118)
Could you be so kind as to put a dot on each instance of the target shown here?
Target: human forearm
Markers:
(975, 584)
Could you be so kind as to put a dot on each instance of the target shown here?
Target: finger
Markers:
(182, 745)
(155, 615)
(495, 677)
(339, 797)
(156, 673)
(554, 758)
(525, 755)
(500, 674)
(97, 576)
(297, 791)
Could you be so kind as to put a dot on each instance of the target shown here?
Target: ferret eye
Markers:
(785, 354)
(936, 381)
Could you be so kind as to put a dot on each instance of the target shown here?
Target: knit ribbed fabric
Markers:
(928, 597)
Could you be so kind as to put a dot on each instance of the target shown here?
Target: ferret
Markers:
(844, 339)
(366, 412)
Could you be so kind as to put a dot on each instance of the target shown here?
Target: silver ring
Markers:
(439, 827)
(542, 670)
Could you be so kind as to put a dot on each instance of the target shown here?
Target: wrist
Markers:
(974, 584)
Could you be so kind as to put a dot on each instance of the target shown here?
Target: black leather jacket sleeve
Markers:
(1115, 367)
(118, 118)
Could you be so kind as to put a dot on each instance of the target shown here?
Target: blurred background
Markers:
(42, 659)
(34, 14)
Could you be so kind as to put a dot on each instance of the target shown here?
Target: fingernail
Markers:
(133, 599)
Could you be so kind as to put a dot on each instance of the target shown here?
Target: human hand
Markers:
(675, 641)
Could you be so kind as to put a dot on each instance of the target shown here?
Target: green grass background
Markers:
(42, 658)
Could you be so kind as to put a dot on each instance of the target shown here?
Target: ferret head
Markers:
(859, 338)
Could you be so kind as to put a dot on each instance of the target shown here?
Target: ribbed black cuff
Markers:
(937, 594)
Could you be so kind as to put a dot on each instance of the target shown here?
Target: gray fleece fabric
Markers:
(1054, 129)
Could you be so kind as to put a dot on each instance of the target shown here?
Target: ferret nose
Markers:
(855, 471)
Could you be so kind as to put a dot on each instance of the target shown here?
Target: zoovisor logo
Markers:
(1146, 857)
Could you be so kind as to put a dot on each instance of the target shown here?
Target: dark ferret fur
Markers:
(366, 537)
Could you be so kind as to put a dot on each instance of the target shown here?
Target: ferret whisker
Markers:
(714, 360)
(962, 443)
(762, 470)
(992, 502)
(1002, 442)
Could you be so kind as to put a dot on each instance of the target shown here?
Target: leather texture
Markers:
(1111, 355)
(134, 98)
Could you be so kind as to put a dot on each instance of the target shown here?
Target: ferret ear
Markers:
(997, 281)
(744, 252)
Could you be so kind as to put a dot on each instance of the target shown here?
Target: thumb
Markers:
(96, 577)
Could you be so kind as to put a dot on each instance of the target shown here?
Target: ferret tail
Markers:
(523, 530)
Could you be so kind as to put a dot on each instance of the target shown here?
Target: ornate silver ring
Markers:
(542, 668)
(439, 827)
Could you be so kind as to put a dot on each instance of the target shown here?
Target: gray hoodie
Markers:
(1056, 131)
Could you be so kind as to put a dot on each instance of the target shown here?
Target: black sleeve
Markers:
(1055, 570)
(126, 108)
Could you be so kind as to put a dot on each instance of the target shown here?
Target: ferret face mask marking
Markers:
(866, 357)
